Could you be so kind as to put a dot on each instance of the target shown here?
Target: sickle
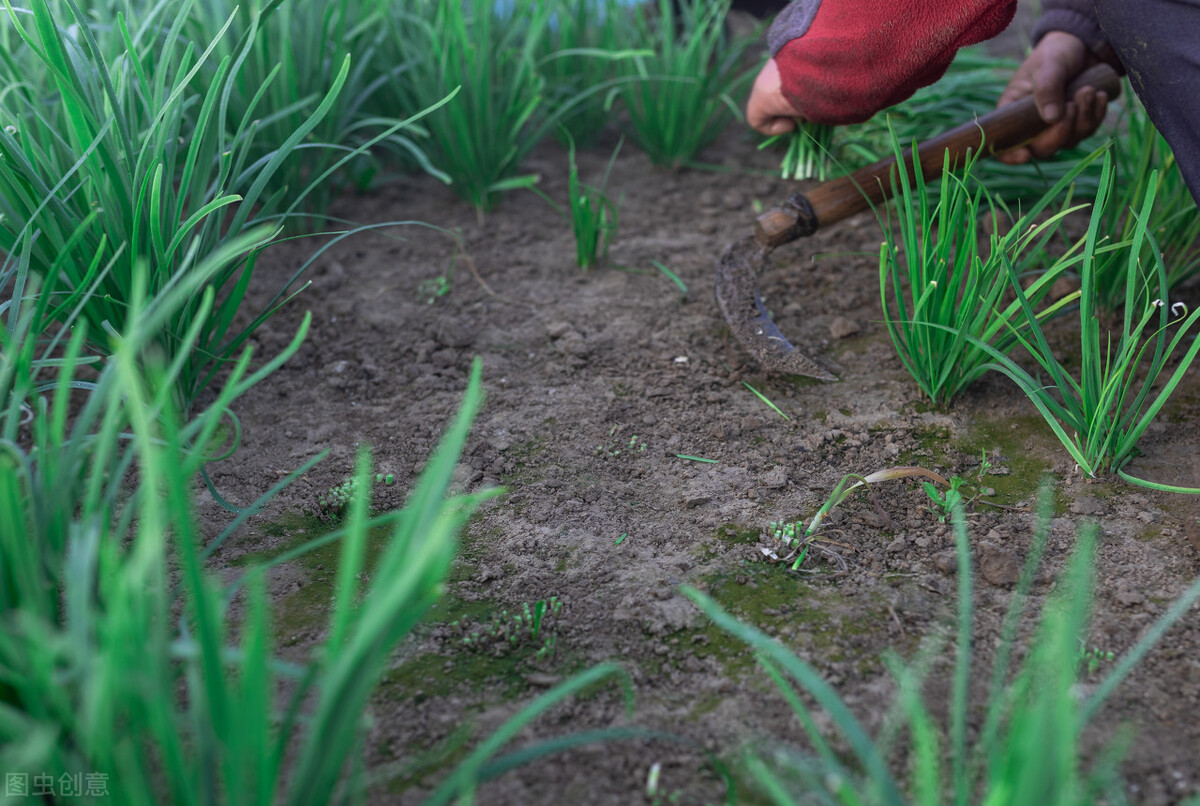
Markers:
(803, 214)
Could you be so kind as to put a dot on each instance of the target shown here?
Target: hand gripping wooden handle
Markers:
(1000, 130)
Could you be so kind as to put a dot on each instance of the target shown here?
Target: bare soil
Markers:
(596, 383)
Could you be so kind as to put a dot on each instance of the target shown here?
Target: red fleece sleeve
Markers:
(861, 56)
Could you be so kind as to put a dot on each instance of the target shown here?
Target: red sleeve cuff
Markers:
(860, 57)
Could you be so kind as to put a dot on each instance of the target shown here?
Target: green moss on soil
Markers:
(308, 607)
(1006, 446)
(738, 535)
(420, 676)
(730, 534)
(765, 595)
(940, 449)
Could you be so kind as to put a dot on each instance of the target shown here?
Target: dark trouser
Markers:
(1158, 41)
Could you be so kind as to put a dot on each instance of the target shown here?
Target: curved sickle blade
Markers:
(737, 294)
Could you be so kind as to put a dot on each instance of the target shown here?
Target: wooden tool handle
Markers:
(1002, 129)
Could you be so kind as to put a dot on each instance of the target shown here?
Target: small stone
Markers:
(573, 344)
(1087, 505)
(842, 327)
(1146, 516)
(935, 584)
(556, 330)
(998, 566)
(454, 334)
(1129, 598)
(444, 358)
(896, 545)
(542, 680)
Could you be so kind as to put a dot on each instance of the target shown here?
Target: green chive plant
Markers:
(808, 151)
(296, 54)
(679, 99)
(1027, 746)
(1140, 153)
(1124, 378)
(481, 139)
(140, 161)
(582, 47)
(592, 214)
(120, 658)
(942, 295)
(65, 457)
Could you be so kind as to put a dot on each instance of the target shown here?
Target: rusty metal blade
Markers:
(741, 304)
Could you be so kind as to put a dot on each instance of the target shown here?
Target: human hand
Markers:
(1045, 74)
(768, 111)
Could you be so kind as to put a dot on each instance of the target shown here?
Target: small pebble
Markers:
(842, 327)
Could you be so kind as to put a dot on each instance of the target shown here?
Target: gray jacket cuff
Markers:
(792, 23)
(1076, 17)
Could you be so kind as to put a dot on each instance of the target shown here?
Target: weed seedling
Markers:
(332, 504)
(785, 534)
(616, 447)
(1091, 659)
(503, 633)
(654, 792)
(431, 289)
(796, 546)
(944, 503)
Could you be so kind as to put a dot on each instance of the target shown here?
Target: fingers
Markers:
(1049, 91)
(768, 110)
(1082, 116)
(775, 126)
(1017, 156)
(1045, 74)
(1058, 136)
(1093, 107)
(1057, 59)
